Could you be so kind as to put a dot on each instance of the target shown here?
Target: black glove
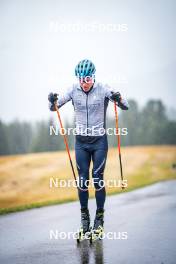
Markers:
(116, 97)
(52, 98)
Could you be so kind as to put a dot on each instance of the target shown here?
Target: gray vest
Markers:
(90, 108)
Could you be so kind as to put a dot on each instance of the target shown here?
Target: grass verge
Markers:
(24, 179)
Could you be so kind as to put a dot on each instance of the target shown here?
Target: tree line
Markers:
(149, 125)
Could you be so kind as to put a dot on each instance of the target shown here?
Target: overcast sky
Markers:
(38, 51)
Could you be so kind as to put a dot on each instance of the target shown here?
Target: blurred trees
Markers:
(4, 144)
(147, 126)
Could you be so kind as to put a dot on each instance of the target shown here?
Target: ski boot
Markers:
(98, 230)
(85, 230)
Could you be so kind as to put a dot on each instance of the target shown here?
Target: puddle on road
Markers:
(91, 253)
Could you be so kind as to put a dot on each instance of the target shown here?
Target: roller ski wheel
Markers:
(81, 236)
(85, 230)
(98, 230)
(97, 234)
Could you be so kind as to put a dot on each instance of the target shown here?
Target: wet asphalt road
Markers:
(148, 216)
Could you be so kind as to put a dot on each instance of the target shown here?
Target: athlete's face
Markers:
(86, 83)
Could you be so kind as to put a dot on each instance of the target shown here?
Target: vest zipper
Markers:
(87, 112)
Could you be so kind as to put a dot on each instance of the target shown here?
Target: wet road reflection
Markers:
(25, 236)
(88, 252)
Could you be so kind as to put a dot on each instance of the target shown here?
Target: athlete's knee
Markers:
(98, 169)
(84, 181)
(98, 182)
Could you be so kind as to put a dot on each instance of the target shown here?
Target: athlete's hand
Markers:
(52, 98)
(116, 97)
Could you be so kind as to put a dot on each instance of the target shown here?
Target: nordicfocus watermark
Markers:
(55, 182)
(60, 27)
(90, 131)
(56, 235)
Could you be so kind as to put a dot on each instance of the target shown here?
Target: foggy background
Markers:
(36, 58)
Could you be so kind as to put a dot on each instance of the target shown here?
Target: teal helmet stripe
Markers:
(81, 68)
(85, 68)
(88, 68)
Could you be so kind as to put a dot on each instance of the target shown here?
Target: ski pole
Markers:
(118, 143)
(66, 142)
(67, 148)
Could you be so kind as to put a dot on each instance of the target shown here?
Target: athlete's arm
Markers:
(59, 100)
(116, 97)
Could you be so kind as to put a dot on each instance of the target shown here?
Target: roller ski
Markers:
(85, 230)
(98, 230)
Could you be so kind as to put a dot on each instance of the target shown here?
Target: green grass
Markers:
(143, 166)
(32, 205)
(4, 211)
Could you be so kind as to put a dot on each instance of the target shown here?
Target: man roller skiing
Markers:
(90, 100)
